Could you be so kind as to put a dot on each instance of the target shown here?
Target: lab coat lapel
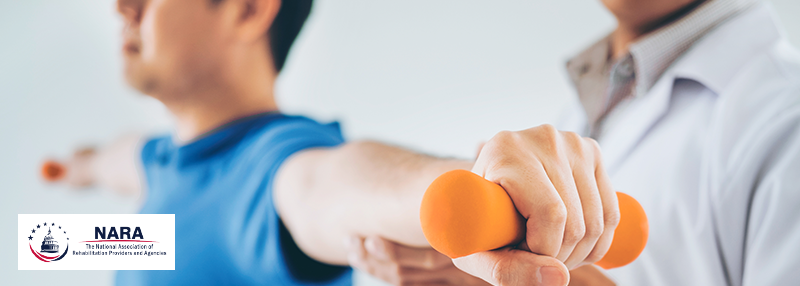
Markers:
(638, 118)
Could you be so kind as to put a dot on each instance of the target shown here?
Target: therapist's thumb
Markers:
(511, 267)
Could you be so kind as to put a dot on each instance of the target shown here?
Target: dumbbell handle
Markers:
(463, 213)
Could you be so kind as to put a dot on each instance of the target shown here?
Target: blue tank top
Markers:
(220, 189)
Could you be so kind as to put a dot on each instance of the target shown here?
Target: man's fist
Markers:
(557, 183)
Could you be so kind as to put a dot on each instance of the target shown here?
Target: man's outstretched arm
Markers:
(325, 196)
(113, 167)
(555, 180)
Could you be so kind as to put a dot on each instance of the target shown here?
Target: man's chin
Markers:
(138, 80)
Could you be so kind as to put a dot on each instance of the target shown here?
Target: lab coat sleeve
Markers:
(772, 241)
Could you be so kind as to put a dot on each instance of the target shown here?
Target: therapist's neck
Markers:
(247, 93)
(632, 26)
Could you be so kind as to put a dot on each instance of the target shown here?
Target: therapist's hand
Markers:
(403, 265)
(557, 182)
(589, 275)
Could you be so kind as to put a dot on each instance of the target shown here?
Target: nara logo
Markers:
(54, 242)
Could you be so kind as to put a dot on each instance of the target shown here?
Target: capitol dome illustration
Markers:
(49, 244)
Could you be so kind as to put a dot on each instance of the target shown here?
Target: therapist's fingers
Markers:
(358, 258)
(589, 275)
(398, 264)
(611, 214)
(510, 267)
(446, 276)
(406, 256)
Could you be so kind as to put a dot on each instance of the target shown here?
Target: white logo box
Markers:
(79, 248)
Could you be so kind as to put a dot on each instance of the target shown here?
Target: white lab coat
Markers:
(712, 152)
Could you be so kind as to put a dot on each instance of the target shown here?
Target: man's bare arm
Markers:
(113, 167)
(324, 196)
(555, 180)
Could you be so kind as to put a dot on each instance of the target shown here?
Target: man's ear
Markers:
(254, 17)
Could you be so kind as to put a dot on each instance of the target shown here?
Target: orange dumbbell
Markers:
(463, 213)
(53, 171)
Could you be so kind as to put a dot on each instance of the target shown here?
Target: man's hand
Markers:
(79, 169)
(403, 265)
(557, 182)
(113, 167)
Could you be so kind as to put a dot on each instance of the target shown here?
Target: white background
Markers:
(437, 76)
(80, 227)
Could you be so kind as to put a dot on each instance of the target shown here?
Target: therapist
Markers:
(696, 105)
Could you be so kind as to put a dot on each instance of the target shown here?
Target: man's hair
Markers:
(285, 28)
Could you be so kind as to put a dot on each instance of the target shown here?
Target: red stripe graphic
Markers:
(120, 240)
(37, 254)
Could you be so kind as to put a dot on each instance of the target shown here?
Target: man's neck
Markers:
(245, 91)
(198, 119)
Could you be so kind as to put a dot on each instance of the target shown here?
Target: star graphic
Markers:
(52, 224)
(37, 226)
(67, 238)
(59, 227)
(33, 231)
(65, 232)
(30, 237)
(45, 224)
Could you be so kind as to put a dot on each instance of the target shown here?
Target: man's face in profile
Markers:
(170, 45)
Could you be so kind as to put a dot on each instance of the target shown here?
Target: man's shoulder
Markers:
(287, 134)
(294, 127)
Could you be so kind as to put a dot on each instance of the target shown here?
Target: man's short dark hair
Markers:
(286, 27)
(284, 30)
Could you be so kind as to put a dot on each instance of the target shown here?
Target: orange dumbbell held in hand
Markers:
(76, 171)
(53, 171)
(463, 213)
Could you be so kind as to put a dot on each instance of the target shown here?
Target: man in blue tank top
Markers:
(213, 64)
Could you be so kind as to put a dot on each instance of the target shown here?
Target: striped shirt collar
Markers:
(655, 52)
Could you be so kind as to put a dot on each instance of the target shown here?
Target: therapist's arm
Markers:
(771, 248)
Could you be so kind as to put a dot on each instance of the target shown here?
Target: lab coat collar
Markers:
(712, 61)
